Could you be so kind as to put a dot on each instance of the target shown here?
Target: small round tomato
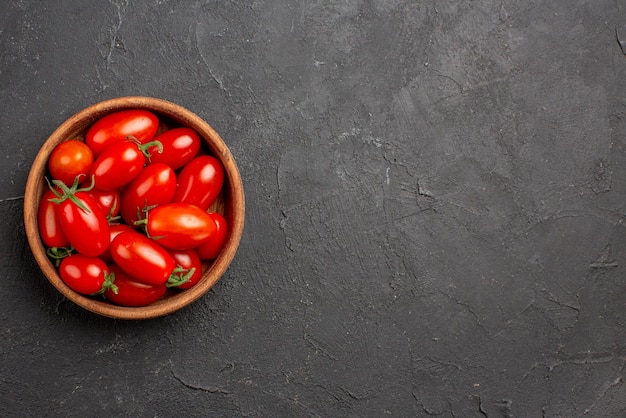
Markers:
(200, 181)
(118, 165)
(155, 185)
(48, 221)
(180, 145)
(188, 259)
(131, 292)
(212, 247)
(108, 201)
(145, 260)
(86, 275)
(115, 230)
(83, 223)
(179, 226)
(139, 124)
(69, 160)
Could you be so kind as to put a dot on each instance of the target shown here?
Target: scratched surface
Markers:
(435, 208)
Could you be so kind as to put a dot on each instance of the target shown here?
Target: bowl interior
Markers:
(230, 203)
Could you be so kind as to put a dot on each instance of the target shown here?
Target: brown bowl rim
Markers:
(78, 122)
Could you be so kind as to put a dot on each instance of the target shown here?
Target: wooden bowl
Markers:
(230, 204)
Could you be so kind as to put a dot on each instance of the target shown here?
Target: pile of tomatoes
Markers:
(131, 208)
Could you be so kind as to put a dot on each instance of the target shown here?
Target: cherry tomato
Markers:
(179, 226)
(142, 258)
(212, 247)
(86, 275)
(70, 159)
(200, 181)
(108, 201)
(155, 185)
(118, 126)
(48, 221)
(118, 165)
(115, 230)
(83, 223)
(180, 145)
(188, 259)
(131, 292)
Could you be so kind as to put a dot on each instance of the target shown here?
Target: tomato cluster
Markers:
(131, 209)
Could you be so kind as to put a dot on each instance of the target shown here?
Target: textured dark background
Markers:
(435, 208)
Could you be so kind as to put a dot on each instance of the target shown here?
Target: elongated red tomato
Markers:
(48, 222)
(118, 126)
(200, 181)
(179, 226)
(115, 230)
(69, 160)
(155, 185)
(188, 259)
(131, 292)
(108, 200)
(117, 165)
(142, 258)
(180, 145)
(86, 228)
(86, 275)
(212, 247)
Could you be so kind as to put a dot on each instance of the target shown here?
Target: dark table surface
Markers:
(435, 200)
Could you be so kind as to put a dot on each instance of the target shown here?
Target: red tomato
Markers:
(131, 292)
(69, 160)
(188, 259)
(83, 223)
(155, 185)
(117, 165)
(48, 221)
(180, 145)
(108, 201)
(114, 127)
(212, 247)
(86, 275)
(179, 226)
(115, 230)
(200, 181)
(142, 258)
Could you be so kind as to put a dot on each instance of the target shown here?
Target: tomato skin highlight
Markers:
(87, 231)
(117, 165)
(142, 258)
(131, 292)
(200, 182)
(48, 222)
(155, 185)
(188, 259)
(108, 200)
(84, 274)
(70, 159)
(115, 230)
(118, 126)
(179, 226)
(180, 145)
(212, 247)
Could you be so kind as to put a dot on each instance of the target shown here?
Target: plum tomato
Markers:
(139, 124)
(118, 164)
(108, 201)
(188, 259)
(180, 145)
(131, 292)
(179, 226)
(48, 222)
(83, 223)
(146, 261)
(86, 275)
(212, 247)
(200, 181)
(155, 185)
(70, 159)
(115, 230)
